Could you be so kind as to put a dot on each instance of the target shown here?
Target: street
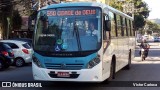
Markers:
(79, 34)
(147, 70)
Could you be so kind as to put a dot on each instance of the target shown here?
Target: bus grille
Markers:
(64, 66)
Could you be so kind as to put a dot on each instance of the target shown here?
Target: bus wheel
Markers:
(128, 66)
(112, 71)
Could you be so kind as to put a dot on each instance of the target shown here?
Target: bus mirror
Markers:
(31, 21)
(108, 25)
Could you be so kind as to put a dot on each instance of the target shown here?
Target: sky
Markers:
(154, 7)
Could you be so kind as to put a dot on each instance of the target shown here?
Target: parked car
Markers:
(22, 51)
(28, 40)
(6, 56)
(146, 37)
(156, 39)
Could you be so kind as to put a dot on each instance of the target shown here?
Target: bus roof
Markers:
(72, 4)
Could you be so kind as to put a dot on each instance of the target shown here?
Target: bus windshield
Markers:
(68, 29)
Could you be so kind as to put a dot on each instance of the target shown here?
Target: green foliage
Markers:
(153, 26)
(5, 11)
(141, 13)
(139, 21)
(16, 20)
(116, 4)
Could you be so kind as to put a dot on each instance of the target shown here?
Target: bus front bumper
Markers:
(83, 75)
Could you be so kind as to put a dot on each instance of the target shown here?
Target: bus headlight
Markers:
(93, 62)
(36, 61)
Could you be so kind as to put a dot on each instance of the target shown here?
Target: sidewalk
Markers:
(149, 60)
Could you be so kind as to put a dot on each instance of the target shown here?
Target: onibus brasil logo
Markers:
(20, 84)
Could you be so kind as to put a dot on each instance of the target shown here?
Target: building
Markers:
(23, 31)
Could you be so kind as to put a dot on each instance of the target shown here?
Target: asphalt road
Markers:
(148, 70)
(17, 74)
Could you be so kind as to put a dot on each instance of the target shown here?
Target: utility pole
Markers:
(8, 22)
(39, 4)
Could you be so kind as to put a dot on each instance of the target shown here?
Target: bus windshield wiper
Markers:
(77, 36)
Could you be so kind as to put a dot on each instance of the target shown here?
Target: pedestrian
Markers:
(92, 31)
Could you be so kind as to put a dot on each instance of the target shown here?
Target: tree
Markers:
(116, 4)
(140, 14)
(153, 26)
(141, 8)
(16, 20)
(139, 21)
(5, 12)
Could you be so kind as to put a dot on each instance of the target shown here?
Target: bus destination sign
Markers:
(71, 12)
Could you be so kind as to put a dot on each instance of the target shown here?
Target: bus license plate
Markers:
(63, 74)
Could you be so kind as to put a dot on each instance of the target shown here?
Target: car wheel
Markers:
(19, 62)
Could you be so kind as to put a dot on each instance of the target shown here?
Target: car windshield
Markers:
(68, 29)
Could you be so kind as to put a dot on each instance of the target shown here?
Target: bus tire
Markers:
(112, 70)
(128, 66)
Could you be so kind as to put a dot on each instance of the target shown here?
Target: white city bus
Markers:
(65, 51)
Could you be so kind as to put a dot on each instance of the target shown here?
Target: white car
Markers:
(22, 51)
(146, 37)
